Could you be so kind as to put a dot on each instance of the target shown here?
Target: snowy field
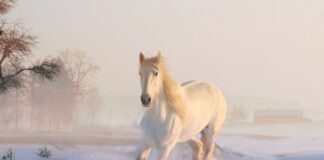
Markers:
(233, 147)
(245, 142)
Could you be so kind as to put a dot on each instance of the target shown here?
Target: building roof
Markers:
(278, 112)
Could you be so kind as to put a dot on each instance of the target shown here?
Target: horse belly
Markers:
(198, 119)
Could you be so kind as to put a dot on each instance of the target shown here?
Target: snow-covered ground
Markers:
(233, 147)
(244, 142)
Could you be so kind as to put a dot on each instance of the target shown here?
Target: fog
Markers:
(264, 49)
(262, 54)
(265, 56)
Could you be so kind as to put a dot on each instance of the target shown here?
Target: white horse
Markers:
(177, 112)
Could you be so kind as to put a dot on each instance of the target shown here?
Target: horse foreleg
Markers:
(143, 151)
(164, 151)
(197, 148)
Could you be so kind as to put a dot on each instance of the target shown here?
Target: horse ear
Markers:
(141, 57)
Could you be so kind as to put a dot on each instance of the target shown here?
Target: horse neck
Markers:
(171, 96)
(162, 107)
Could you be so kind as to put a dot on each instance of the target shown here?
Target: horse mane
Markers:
(171, 88)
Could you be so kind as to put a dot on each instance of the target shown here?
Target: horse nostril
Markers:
(149, 99)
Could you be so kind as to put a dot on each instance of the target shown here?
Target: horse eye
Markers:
(156, 73)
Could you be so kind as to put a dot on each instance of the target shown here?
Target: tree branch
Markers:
(46, 70)
(5, 5)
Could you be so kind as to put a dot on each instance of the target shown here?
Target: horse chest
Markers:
(158, 131)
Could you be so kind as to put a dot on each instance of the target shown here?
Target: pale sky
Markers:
(267, 48)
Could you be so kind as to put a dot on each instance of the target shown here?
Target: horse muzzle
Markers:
(146, 100)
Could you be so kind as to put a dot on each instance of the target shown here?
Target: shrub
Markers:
(9, 155)
(44, 152)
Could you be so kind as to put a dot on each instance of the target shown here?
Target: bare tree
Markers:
(94, 103)
(5, 5)
(53, 103)
(16, 43)
(57, 102)
(80, 70)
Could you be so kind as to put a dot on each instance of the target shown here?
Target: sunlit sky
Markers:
(266, 48)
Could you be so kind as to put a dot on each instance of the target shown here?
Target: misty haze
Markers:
(72, 79)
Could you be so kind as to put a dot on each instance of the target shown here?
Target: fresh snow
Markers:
(233, 147)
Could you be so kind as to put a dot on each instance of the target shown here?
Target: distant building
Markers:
(278, 116)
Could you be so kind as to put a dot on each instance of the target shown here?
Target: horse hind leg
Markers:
(210, 132)
(197, 148)
(208, 137)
